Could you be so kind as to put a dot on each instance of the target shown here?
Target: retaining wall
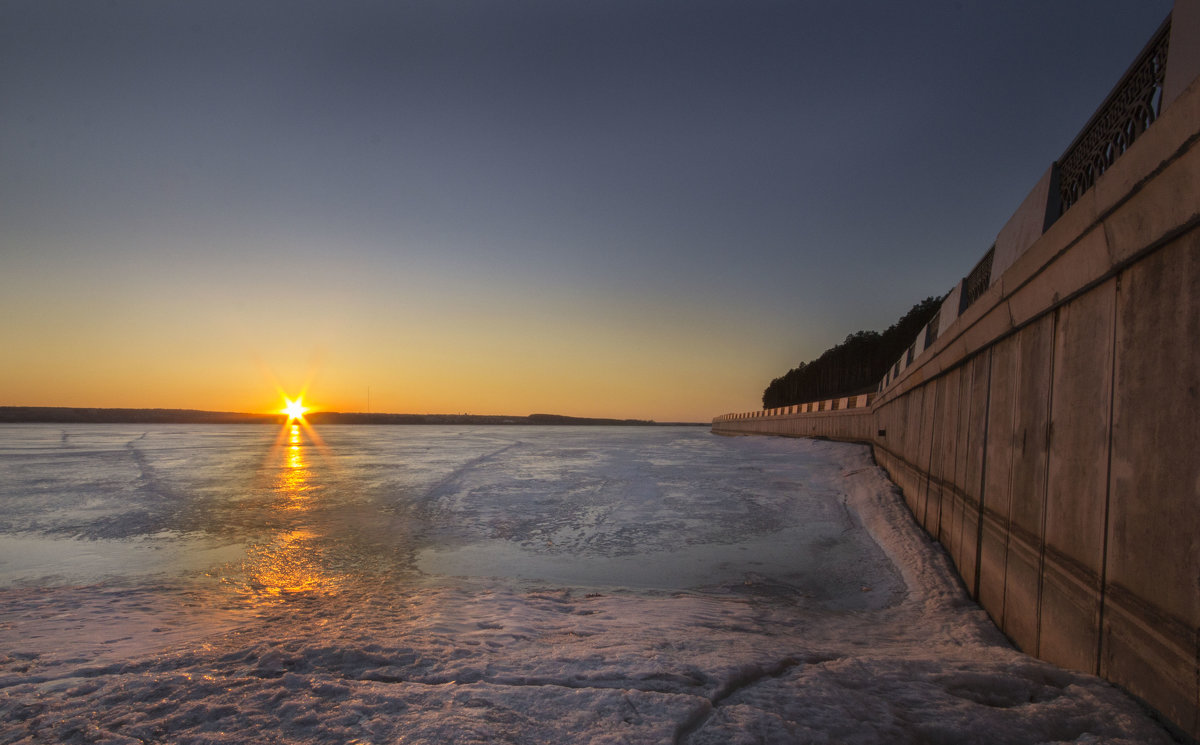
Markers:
(1049, 437)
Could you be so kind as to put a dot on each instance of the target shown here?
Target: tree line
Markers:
(855, 366)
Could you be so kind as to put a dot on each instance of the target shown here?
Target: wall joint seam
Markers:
(1112, 397)
(1046, 435)
(987, 415)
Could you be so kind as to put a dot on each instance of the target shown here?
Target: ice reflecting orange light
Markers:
(291, 562)
(294, 460)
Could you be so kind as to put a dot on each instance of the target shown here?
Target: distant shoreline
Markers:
(83, 415)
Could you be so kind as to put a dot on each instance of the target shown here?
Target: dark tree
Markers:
(852, 367)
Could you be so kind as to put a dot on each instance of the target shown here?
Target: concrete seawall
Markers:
(1049, 434)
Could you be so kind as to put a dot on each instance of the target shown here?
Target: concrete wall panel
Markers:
(1022, 576)
(962, 503)
(1087, 261)
(951, 500)
(1157, 208)
(910, 442)
(973, 463)
(935, 395)
(1154, 517)
(997, 487)
(926, 415)
(1077, 479)
(942, 465)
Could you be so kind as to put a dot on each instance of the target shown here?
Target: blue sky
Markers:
(634, 209)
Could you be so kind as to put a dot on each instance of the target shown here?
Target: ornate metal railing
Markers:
(1132, 106)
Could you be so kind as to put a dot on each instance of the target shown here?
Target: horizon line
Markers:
(95, 414)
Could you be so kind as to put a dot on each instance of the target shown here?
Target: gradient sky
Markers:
(628, 208)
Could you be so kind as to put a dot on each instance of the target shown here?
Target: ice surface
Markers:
(494, 584)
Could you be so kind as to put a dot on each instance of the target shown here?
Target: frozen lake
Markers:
(216, 584)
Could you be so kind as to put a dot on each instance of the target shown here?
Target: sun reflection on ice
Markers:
(291, 562)
(289, 565)
(293, 481)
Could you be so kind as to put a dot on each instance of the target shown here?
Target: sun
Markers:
(294, 409)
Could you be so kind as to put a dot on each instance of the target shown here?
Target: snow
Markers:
(494, 584)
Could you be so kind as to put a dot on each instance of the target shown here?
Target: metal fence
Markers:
(1133, 105)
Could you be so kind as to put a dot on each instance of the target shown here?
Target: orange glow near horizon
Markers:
(603, 380)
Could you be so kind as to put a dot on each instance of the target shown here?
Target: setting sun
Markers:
(294, 409)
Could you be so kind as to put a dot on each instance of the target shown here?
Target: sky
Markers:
(621, 208)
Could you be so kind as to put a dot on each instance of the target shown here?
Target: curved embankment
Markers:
(1044, 428)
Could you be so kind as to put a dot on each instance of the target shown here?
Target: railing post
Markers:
(1054, 205)
(1184, 66)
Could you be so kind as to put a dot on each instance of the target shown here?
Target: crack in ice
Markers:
(749, 677)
